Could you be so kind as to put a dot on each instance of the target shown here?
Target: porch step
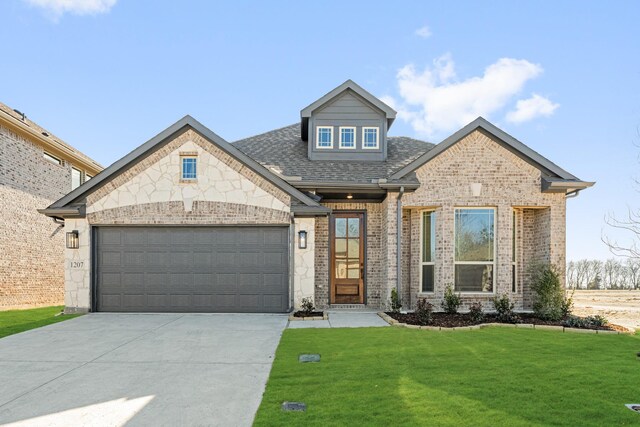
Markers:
(352, 307)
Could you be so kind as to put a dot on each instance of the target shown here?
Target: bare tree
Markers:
(633, 273)
(572, 275)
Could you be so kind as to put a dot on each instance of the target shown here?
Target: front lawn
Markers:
(487, 377)
(14, 321)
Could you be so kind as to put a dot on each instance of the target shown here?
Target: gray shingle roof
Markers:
(283, 149)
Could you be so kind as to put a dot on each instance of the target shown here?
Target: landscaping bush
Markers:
(567, 304)
(394, 302)
(423, 311)
(504, 309)
(585, 322)
(451, 301)
(307, 306)
(476, 313)
(550, 301)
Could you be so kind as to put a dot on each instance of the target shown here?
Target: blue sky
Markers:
(563, 77)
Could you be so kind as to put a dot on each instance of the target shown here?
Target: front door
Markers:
(347, 258)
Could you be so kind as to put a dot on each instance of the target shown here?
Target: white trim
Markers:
(318, 134)
(514, 251)
(495, 250)
(422, 263)
(354, 137)
(377, 129)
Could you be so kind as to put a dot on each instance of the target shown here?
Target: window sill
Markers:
(188, 181)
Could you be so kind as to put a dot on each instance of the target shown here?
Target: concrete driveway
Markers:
(139, 369)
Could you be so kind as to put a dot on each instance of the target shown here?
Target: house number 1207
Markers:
(77, 264)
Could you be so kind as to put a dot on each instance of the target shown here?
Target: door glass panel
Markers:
(341, 227)
(341, 248)
(354, 227)
(341, 268)
(354, 248)
(353, 270)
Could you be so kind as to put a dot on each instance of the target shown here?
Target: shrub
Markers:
(451, 301)
(504, 309)
(307, 306)
(585, 322)
(550, 301)
(567, 304)
(476, 313)
(394, 302)
(423, 311)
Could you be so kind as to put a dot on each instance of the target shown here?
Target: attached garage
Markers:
(233, 269)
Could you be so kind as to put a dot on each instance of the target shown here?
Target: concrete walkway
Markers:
(139, 369)
(342, 319)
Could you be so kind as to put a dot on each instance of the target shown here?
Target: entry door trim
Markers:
(362, 214)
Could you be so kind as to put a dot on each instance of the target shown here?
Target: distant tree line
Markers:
(609, 274)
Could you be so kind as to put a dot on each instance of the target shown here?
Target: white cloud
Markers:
(424, 32)
(529, 109)
(434, 101)
(77, 7)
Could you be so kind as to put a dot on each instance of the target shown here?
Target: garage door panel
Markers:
(199, 269)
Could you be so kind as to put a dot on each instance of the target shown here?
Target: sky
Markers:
(563, 77)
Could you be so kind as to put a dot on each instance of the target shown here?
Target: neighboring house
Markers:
(36, 168)
(332, 208)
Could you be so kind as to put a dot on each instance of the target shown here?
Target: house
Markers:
(36, 169)
(331, 208)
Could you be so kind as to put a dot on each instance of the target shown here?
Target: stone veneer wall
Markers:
(151, 192)
(507, 182)
(304, 262)
(374, 255)
(31, 245)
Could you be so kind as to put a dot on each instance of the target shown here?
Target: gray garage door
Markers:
(192, 269)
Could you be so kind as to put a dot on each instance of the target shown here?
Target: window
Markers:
(324, 137)
(76, 178)
(52, 159)
(87, 177)
(370, 138)
(514, 254)
(428, 251)
(189, 168)
(347, 137)
(474, 249)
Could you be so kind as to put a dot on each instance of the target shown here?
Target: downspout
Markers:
(399, 244)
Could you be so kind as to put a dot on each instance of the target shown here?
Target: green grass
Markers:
(488, 377)
(15, 321)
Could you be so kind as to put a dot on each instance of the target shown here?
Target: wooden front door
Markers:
(347, 258)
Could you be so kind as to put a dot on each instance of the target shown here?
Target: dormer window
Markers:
(370, 138)
(324, 139)
(347, 137)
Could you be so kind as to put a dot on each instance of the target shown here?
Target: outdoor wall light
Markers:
(73, 241)
(302, 239)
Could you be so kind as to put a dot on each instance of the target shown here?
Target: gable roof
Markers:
(51, 143)
(551, 171)
(284, 150)
(306, 112)
(77, 196)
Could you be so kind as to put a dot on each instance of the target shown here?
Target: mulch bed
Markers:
(446, 320)
(305, 314)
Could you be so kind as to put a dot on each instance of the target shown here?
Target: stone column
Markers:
(304, 263)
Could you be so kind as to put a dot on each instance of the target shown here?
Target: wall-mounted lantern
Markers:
(73, 241)
(302, 239)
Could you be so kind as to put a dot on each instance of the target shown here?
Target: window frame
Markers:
(364, 141)
(495, 250)
(52, 159)
(320, 147)
(80, 180)
(433, 261)
(184, 157)
(340, 144)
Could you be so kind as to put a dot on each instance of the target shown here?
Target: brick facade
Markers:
(31, 245)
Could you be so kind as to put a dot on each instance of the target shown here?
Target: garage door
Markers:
(192, 269)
